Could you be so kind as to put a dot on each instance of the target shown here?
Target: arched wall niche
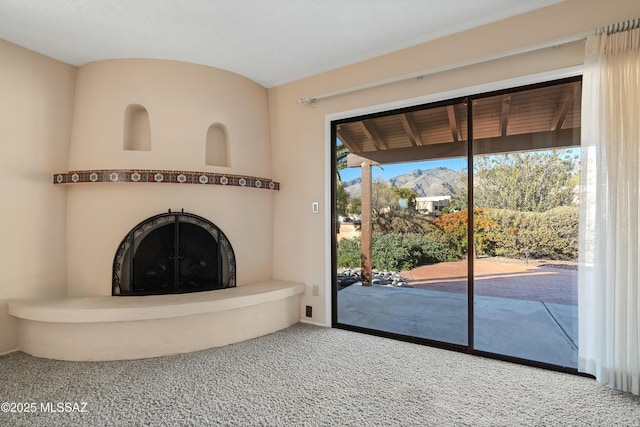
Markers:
(182, 100)
(137, 130)
(217, 146)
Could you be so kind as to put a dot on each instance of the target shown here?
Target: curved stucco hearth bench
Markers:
(115, 328)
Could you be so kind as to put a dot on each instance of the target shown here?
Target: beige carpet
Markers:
(308, 376)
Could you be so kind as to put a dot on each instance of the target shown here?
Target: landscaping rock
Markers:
(348, 276)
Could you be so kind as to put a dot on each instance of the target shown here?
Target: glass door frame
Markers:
(469, 348)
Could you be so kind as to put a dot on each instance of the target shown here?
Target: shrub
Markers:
(390, 253)
(430, 248)
(552, 234)
(454, 226)
(349, 252)
(406, 251)
(397, 251)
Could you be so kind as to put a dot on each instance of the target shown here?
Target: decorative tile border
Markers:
(164, 177)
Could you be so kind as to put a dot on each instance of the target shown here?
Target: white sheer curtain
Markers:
(609, 274)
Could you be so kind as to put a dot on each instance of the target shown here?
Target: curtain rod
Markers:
(421, 74)
(631, 24)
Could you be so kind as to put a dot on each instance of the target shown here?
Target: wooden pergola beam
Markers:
(528, 142)
(366, 225)
(366, 215)
(356, 161)
(346, 140)
(410, 128)
(502, 144)
(453, 123)
(504, 115)
(566, 101)
(372, 134)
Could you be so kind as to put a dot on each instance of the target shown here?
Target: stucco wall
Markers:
(274, 234)
(298, 132)
(35, 123)
(182, 100)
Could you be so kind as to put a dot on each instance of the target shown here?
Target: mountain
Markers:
(425, 182)
(353, 187)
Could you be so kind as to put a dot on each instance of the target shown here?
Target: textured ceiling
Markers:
(269, 41)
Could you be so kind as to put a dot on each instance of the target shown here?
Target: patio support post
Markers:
(366, 225)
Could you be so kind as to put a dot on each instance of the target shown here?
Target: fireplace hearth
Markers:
(173, 253)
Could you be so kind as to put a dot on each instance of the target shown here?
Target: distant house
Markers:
(432, 204)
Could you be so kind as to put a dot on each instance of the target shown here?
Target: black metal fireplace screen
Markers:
(173, 253)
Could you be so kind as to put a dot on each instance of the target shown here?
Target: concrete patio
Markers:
(522, 310)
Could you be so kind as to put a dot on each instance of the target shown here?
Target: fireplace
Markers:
(173, 253)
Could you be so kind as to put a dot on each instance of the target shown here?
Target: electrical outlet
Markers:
(315, 290)
(309, 311)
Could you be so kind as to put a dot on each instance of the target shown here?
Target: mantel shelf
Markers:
(162, 176)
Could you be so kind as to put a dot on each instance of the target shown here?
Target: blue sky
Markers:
(457, 164)
(390, 171)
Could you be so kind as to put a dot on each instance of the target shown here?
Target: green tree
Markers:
(529, 182)
(341, 158)
(459, 193)
(342, 199)
(355, 206)
(383, 198)
(406, 193)
(389, 216)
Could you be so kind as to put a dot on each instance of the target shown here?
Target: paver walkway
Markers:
(552, 283)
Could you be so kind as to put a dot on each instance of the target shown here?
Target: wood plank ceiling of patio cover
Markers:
(540, 118)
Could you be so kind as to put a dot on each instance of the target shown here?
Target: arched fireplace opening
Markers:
(173, 253)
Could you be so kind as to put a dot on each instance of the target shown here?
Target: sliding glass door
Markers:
(417, 286)
(412, 261)
(526, 154)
